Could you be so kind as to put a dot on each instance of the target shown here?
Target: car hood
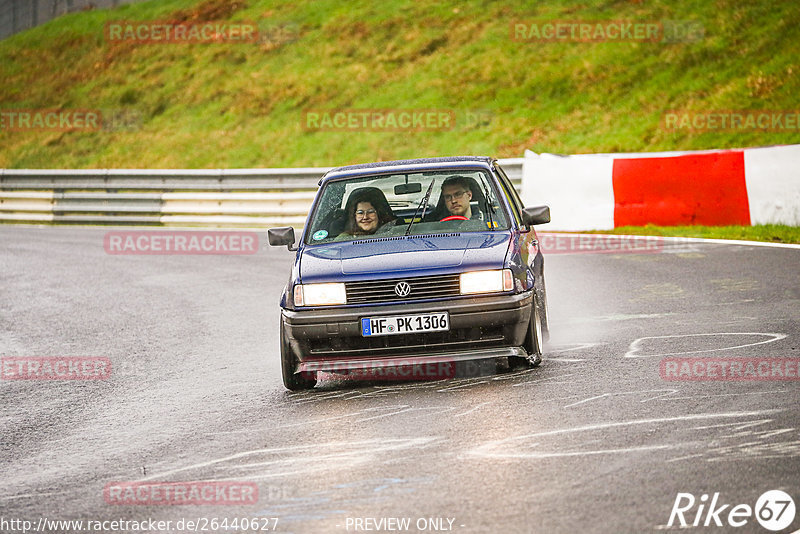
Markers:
(411, 256)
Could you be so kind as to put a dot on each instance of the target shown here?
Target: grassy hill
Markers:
(242, 105)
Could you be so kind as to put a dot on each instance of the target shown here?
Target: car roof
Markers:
(407, 164)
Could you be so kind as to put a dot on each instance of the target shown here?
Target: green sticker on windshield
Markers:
(320, 234)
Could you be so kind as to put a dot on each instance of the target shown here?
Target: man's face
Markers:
(457, 198)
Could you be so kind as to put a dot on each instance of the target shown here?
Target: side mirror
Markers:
(281, 236)
(536, 215)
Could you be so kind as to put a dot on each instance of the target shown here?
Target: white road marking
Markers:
(26, 495)
(322, 420)
(441, 409)
(512, 375)
(694, 397)
(469, 382)
(594, 452)
(736, 426)
(489, 449)
(687, 457)
(325, 396)
(604, 395)
(699, 240)
(625, 317)
(731, 242)
(402, 409)
(664, 393)
(305, 456)
(472, 409)
(634, 347)
(580, 346)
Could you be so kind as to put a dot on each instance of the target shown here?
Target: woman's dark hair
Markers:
(374, 196)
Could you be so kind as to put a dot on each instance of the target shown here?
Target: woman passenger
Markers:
(367, 211)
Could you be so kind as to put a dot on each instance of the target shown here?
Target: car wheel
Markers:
(293, 381)
(533, 341)
(543, 313)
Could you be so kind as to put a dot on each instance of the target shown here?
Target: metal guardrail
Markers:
(217, 198)
(19, 15)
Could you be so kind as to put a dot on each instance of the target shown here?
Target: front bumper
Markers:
(480, 327)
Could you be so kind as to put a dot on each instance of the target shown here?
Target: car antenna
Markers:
(424, 205)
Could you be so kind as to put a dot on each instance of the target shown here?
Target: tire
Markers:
(533, 341)
(291, 380)
(543, 313)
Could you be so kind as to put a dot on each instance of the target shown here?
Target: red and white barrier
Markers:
(714, 188)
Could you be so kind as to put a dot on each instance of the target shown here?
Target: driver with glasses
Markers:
(457, 195)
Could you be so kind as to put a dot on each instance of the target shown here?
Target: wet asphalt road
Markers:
(594, 440)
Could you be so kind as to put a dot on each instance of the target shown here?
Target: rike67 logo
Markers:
(774, 510)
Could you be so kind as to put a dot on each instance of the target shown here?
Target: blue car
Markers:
(412, 263)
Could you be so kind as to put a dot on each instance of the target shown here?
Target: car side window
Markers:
(511, 194)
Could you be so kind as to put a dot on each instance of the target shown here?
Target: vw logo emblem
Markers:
(402, 289)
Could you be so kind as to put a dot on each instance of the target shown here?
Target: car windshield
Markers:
(389, 205)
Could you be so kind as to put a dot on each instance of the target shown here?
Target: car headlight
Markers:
(486, 281)
(319, 294)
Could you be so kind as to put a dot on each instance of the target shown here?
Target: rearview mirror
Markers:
(281, 236)
(536, 215)
(407, 189)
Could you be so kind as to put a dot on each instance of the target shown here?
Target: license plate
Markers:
(405, 324)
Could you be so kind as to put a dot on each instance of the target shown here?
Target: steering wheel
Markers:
(454, 218)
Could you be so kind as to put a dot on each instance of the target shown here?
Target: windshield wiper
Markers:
(489, 207)
(423, 204)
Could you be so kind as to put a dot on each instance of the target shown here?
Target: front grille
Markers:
(422, 287)
(420, 343)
